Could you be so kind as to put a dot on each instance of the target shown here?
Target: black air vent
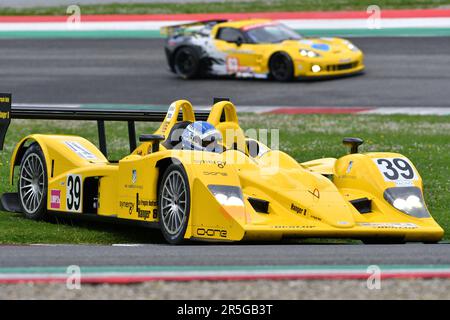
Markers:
(363, 205)
(261, 206)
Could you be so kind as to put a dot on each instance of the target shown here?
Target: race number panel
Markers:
(73, 193)
(398, 170)
(232, 65)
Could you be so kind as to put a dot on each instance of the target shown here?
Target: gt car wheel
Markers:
(33, 183)
(174, 204)
(281, 67)
(186, 63)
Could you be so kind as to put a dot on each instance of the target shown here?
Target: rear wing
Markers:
(130, 115)
(184, 27)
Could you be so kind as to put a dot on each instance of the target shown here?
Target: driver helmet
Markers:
(202, 136)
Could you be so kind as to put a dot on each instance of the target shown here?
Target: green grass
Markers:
(245, 6)
(424, 139)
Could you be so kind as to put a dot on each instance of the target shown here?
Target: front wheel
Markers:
(281, 67)
(174, 204)
(33, 183)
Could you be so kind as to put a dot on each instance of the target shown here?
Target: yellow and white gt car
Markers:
(241, 191)
(256, 48)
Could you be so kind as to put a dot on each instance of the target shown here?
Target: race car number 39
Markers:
(73, 193)
(398, 170)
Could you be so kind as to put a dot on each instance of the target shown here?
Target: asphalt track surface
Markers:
(225, 255)
(401, 72)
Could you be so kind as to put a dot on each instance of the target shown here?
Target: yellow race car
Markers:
(238, 190)
(256, 48)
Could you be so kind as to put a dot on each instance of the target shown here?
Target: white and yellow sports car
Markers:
(256, 48)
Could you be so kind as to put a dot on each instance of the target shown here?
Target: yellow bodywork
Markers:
(250, 58)
(304, 200)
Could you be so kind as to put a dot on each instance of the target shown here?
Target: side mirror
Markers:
(239, 41)
(353, 143)
(154, 138)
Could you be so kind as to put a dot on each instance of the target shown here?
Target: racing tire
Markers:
(186, 63)
(281, 67)
(174, 203)
(32, 183)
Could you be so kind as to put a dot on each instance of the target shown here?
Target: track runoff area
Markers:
(138, 274)
(374, 22)
(393, 23)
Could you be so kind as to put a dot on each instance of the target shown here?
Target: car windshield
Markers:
(271, 33)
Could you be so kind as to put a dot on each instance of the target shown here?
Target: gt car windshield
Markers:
(272, 33)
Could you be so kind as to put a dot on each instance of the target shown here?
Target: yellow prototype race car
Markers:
(256, 49)
(238, 190)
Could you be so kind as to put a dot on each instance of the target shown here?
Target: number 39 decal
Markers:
(397, 170)
(73, 193)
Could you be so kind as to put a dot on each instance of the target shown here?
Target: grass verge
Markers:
(423, 139)
(231, 6)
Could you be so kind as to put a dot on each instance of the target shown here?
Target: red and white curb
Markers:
(347, 110)
(426, 18)
(144, 274)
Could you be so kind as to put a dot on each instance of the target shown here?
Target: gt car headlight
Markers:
(408, 200)
(309, 53)
(351, 46)
(227, 195)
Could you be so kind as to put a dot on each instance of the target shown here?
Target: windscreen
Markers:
(271, 33)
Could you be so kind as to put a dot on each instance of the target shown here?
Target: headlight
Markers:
(351, 46)
(227, 195)
(409, 200)
(309, 53)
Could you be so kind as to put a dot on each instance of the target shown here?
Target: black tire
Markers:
(174, 204)
(281, 67)
(186, 63)
(32, 184)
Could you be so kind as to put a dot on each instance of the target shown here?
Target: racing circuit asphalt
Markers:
(400, 72)
(226, 255)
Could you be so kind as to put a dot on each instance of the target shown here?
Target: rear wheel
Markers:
(174, 204)
(33, 183)
(186, 63)
(281, 67)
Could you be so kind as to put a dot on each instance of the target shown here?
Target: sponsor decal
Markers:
(349, 168)
(384, 225)
(321, 46)
(212, 173)
(212, 232)
(170, 112)
(219, 164)
(4, 115)
(55, 199)
(133, 176)
(315, 193)
(5, 99)
(127, 204)
(293, 227)
(298, 210)
(81, 151)
(145, 213)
